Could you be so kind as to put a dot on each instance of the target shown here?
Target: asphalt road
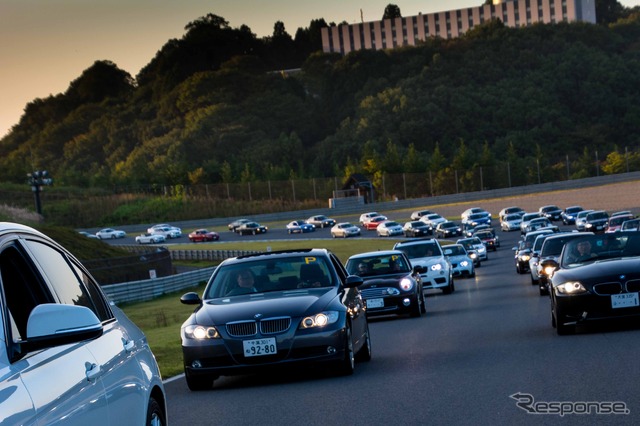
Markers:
(462, 363)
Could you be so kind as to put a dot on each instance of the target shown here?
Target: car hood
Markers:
(426, 261)
(293, 303)
(609, 270)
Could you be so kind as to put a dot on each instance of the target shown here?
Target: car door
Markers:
(61, 381)
(114, 351)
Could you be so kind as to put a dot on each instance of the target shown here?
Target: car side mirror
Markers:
(191, 298)
(54, 324)
(353, 281)
(418, 269)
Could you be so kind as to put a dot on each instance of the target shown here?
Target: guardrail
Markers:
(143, 290)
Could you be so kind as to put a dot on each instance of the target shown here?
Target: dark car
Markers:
(596, 221)
(200, 235)
(448, 229)
(598, 277)
(489, 239)
(234, 225)
(251, 228)
(299, 227)
(416, 228)
(275, 310)
(391, 285)
(551, 212)
(569, 214)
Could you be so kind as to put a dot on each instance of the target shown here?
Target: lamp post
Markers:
(38, 179)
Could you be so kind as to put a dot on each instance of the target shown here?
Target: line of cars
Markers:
(591, 272)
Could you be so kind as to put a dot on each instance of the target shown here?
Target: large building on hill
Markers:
(410, 30)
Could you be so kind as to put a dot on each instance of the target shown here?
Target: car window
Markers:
(63, 279)
(23, 288)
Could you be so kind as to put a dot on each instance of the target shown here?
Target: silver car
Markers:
(428, 254)
(461, 263)
(67, 355)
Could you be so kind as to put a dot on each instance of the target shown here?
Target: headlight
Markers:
(548, 270)
(406, 284)
(573, 287)
(200, 332)
(464, 263)
(319, 320)
(436, 267)
(525, 257)
(473, 255)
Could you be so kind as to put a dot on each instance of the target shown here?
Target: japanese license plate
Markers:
(260, 347)
(375, 303)
(625, 300)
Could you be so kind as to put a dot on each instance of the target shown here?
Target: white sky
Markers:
(46, 44)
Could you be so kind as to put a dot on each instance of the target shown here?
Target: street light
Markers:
(37, 180)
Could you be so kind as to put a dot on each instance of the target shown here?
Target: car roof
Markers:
(377, 253)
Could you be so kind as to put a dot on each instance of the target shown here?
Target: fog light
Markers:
(331, 350)
(406, 302)
(196, 364)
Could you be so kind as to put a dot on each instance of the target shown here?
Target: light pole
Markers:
(37, 179)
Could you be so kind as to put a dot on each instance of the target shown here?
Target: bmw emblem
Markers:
(257, 316)
(622, 277)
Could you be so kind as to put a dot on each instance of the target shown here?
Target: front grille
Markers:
(633, 286)
(275, 325)
(375, 292)
(607, 289)
(242, 329)
(267, 326)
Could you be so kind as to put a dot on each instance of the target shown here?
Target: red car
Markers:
(200, 235)
(372, 225)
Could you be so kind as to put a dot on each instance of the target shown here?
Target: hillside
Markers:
(203, 111)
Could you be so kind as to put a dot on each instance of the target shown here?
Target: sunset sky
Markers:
(46, 44)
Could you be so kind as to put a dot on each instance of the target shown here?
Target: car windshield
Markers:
(378, 265)
(596, 248)
(454, 250)
(415, 251)
(260, 276)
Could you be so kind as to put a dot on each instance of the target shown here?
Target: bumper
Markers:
(401, 304)
(225, 356)
(590, 307)
(435, 280)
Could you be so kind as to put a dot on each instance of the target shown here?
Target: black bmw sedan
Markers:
(277, 309)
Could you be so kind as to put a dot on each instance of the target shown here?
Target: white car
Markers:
(461, 263)
(110, 233)
(68, 355)
(389, 228)
(366, 217)
(150, 239)
(437, 267)
(433, 220)
(526, 218)
(152, 229)
(416, 215)
(168, 232)
(476, 244)
(511, 222)
(344, 230)
(472, 210)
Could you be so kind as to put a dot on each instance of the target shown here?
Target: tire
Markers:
(333, 235)
(416, 310)
(450, 288)
(423, 304)
(155, 415)
(346, 365)
(364, 354)
(561, 328)
(198, 383)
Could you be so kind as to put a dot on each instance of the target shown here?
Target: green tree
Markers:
(391, 11)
